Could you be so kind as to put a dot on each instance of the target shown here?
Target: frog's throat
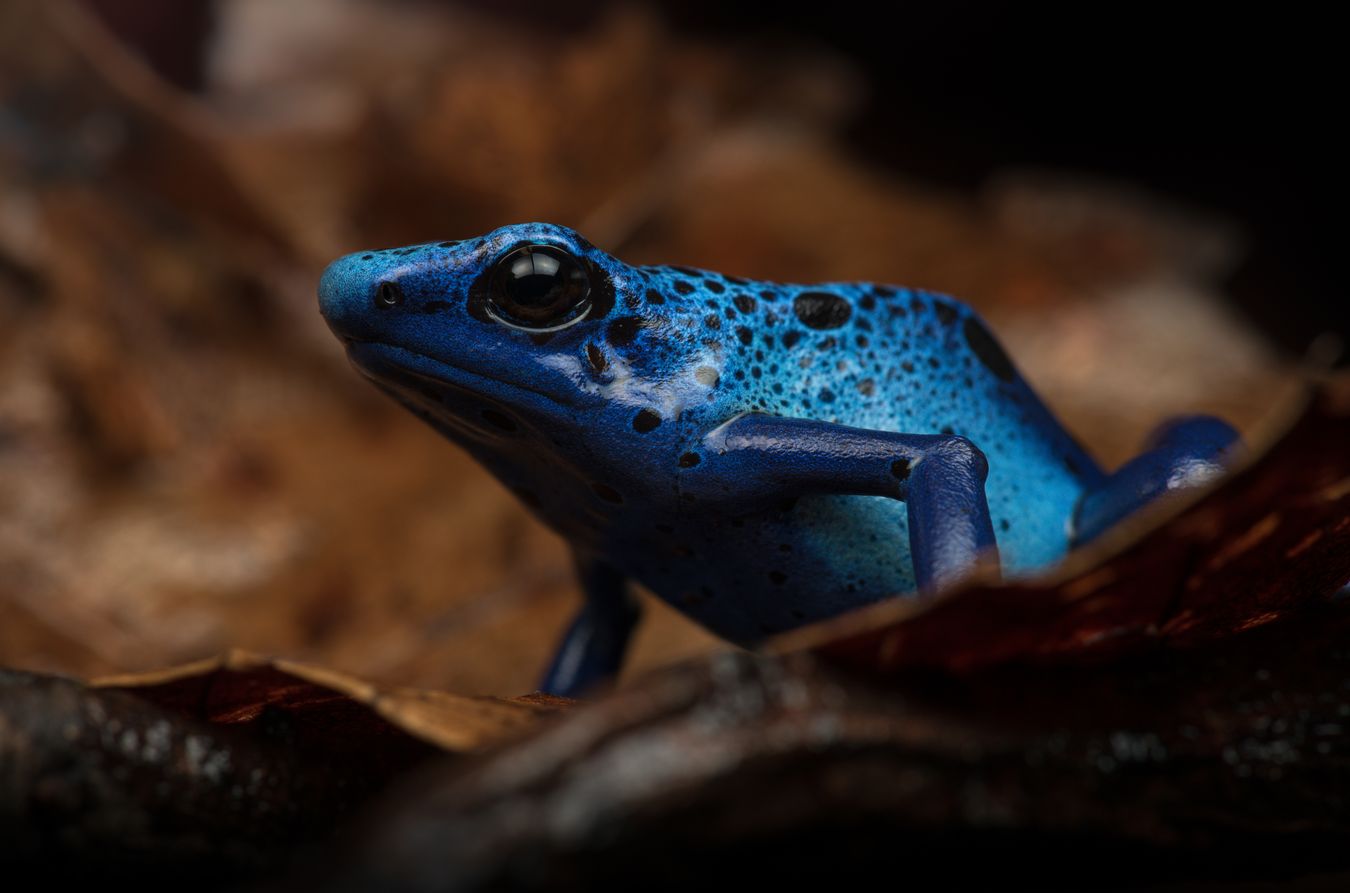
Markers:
(399, 368)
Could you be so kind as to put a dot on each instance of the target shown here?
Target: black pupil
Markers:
(540, 286)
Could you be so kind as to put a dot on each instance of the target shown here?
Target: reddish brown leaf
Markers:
(238, 687)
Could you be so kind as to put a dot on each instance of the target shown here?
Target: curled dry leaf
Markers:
(1224, 761)
(239, 687)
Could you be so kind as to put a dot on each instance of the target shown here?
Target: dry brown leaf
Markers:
(239, 686)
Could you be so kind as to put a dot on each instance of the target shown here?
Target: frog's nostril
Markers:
(388, 295)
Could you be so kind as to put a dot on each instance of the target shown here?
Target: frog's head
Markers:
(528, 344)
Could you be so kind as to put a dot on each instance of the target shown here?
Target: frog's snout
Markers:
(346, 291)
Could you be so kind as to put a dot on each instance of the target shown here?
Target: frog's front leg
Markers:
(1185, 452)
(593, 647)
(759, 459)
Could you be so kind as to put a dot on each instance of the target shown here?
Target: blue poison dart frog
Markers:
(759, 455)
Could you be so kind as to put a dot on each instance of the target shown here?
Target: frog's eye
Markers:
(538, 287)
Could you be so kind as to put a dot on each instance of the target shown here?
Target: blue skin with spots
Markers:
(759, 455)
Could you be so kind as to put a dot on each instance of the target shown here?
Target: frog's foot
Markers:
(592, 650)
(760, 459)
(1185, 452)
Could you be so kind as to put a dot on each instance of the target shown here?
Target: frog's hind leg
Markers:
(950, 530)
(1185, 452)
(593, 647)
(760, 459)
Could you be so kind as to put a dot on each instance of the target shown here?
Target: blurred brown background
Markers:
(1141, 206)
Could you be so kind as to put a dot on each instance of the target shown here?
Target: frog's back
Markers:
(873, 357)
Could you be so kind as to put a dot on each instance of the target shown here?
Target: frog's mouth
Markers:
(402, 370)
